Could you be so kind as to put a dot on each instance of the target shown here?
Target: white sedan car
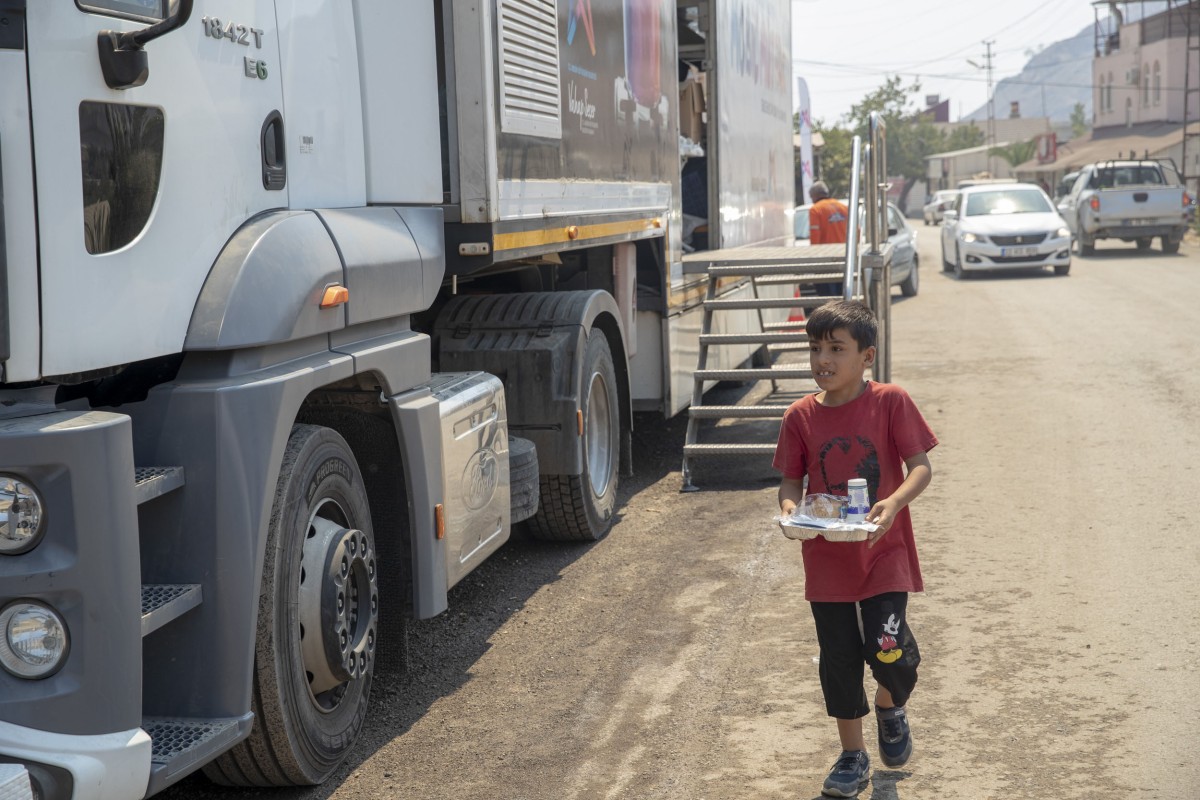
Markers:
(1006, 226)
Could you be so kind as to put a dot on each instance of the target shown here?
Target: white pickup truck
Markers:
(1134, 201)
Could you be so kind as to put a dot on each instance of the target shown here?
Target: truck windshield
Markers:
(1009, 201)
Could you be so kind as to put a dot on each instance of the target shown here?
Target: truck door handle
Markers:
(1140, 197)
(274, 162)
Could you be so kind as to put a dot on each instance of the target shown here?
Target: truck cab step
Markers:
(166, 602)
(152, 482)
(179, 745)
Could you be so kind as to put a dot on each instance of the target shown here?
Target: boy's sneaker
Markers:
(849, 775)
(895, 741)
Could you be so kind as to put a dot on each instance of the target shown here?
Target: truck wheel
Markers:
(1169, 246)
(946, 265)
(317, 620)
(580, 507)
(1085, 245)
(1144, 242)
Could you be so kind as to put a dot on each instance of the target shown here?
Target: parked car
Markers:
(1134, 201)
(903, 237)
(936, 207)
(1004, 227)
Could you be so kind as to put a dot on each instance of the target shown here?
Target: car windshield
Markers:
(1009, 201)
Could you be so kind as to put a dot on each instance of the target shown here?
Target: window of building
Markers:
(1108, 95)
(1100, 100)
(1145, 86)
(1157, 83)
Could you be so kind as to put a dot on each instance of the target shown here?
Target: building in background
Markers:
(1146, 102)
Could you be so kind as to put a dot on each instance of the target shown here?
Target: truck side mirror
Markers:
(122, 59)
(949, 215)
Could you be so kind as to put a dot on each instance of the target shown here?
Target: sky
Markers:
(844, 50)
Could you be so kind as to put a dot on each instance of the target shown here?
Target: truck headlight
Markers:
(34, 641)
(1063, 233)
(969, 237)
(22, 515)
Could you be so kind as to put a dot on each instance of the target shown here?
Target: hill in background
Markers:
(1050, 84)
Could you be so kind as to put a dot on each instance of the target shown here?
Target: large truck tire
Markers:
(1169, 245)
(580, 507)
(317, 620)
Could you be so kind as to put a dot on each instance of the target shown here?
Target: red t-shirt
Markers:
(827, 221)
(869, 437)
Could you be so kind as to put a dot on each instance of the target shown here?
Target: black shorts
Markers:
(875, 632)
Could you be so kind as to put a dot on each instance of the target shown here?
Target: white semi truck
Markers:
(303, 305)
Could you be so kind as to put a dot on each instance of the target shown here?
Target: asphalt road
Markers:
(674, 659)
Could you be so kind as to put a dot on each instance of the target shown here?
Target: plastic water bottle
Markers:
(860, 500)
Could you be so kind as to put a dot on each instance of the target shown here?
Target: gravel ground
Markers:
(675, 659)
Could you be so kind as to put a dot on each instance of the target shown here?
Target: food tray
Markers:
(832, 530)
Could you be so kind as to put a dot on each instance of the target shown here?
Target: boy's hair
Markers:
(853, 315)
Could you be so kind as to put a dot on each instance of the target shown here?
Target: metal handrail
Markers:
(879, 289)
(851, 269)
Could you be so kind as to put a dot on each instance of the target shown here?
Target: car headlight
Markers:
(969, 237)
(1063, 233)
(22, 515)
(34, 641)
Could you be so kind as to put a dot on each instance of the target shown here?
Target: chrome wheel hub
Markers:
(339, 604)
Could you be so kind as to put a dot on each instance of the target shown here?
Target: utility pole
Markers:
(986, 66)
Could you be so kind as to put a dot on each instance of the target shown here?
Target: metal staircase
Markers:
(866, 277)
(796, 267)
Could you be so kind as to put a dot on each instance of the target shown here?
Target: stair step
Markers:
(769, 302)
(790, 325)
(753, 338)
(816, 277)
(753, 374)
(692, 450)
(787, 347)
(152, 482)
(180, 745)
(739, 270)
(165, 602)
(737, 412)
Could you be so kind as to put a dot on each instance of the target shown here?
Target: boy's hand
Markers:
(882, 514)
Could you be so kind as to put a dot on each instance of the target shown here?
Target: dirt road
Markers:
(1059, 629)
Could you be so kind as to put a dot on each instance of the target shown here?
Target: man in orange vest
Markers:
(827, 218)
(827, 221)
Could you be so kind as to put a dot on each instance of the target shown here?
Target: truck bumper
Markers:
(60, 766)
(1130, 233)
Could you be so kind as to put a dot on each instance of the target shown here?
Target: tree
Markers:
(835, 159)
(964, 137)
(1015, 153)
(1079, 124)
(911, 136)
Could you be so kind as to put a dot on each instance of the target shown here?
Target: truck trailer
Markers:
(304, 304)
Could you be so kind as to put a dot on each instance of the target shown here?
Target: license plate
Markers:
(1019, 251)
(1135, 222)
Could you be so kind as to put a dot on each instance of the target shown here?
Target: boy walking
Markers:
(858, 591)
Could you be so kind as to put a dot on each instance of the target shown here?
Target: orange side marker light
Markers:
(335, 296)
